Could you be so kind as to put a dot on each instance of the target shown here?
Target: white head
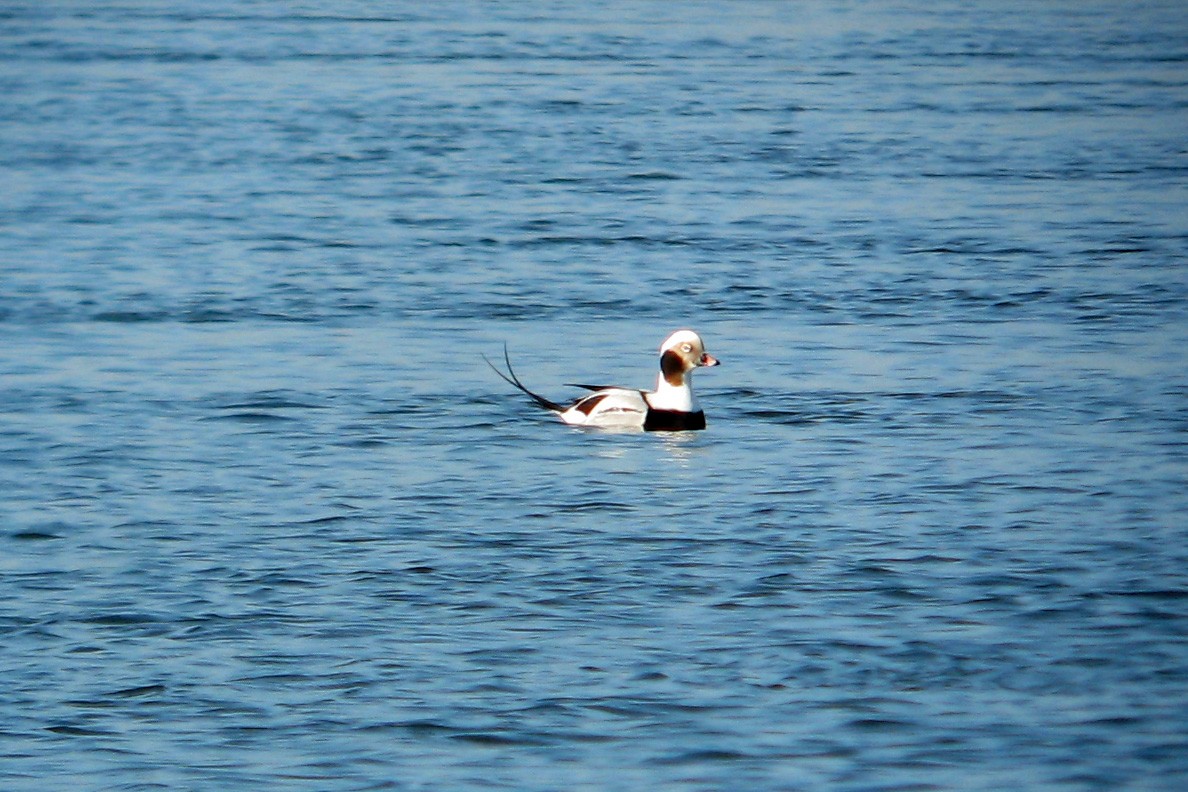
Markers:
(680, 353)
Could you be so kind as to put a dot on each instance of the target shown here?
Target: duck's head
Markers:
(682, 352)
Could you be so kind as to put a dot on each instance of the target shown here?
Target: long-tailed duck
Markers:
(671, 407)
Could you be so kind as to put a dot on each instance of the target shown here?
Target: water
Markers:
(269, 522)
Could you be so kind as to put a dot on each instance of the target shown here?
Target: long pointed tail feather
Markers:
(514, 381)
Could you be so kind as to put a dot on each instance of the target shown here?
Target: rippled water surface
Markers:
(269, 522)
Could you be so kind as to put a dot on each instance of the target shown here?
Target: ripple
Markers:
(267, 519)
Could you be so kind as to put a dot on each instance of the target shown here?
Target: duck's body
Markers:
(670, 407)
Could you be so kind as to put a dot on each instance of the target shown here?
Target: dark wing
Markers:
(595, 387)
(511, 379)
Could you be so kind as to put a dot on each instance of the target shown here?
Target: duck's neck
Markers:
(674, 395)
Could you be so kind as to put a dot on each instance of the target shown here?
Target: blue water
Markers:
(269, 522)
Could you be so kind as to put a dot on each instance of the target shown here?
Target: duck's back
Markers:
(608, 407)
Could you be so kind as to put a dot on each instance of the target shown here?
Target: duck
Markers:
(670, 407)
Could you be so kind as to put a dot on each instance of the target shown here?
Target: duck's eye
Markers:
(686, 347)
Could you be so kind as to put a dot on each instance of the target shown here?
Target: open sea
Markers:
(268, 521)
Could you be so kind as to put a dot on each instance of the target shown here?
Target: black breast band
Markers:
(673, 420)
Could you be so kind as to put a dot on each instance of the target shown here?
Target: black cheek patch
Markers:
(672, 366)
